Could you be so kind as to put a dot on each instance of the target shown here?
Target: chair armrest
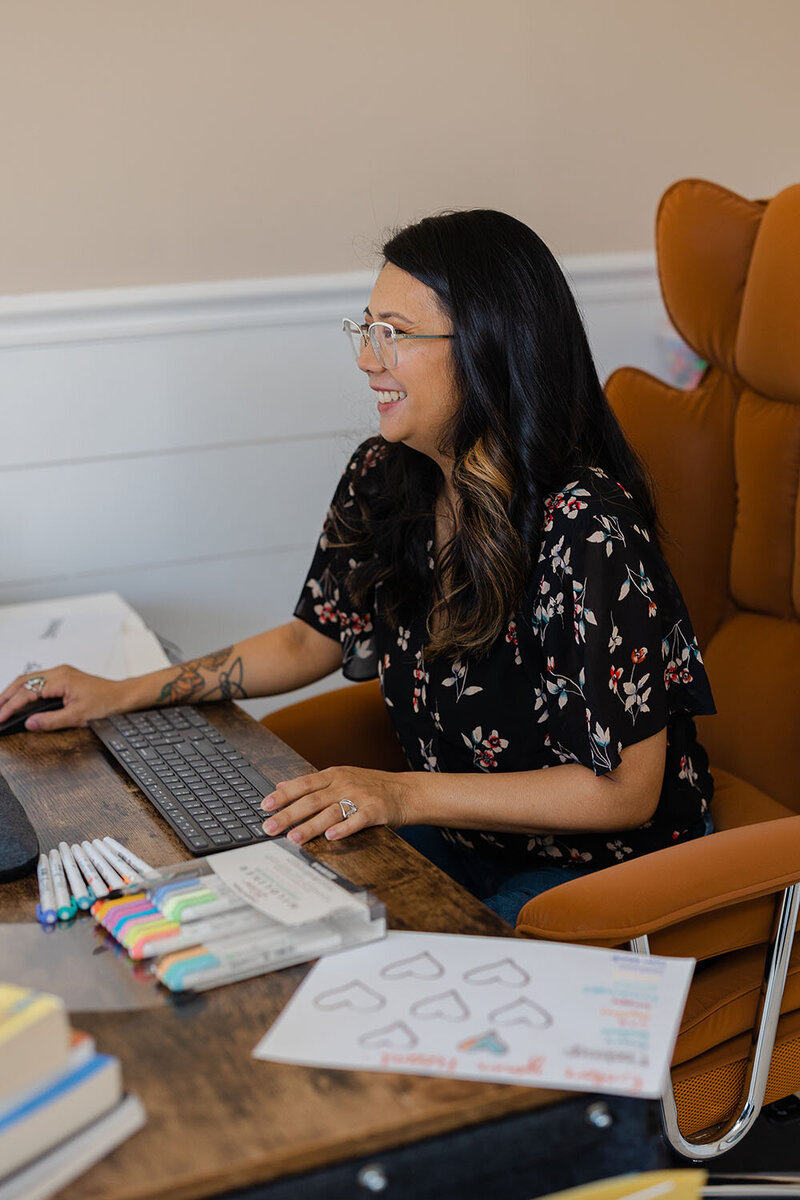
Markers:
(701, 898)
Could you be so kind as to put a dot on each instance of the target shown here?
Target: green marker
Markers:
(65, 905)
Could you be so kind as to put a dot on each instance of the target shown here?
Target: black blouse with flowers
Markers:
(599, 655)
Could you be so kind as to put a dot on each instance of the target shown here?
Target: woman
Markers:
(492, 557)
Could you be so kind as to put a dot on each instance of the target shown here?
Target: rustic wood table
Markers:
(219, 1121)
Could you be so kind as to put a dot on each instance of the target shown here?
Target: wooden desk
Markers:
(219, 1120)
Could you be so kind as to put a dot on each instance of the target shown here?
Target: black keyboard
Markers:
(201, 785)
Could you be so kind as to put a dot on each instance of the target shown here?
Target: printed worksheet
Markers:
(501, 1009)
(37, 641)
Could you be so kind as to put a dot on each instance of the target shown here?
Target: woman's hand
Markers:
(312, 802)
(84, 696)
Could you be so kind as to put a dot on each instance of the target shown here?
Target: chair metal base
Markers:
(717, 1141)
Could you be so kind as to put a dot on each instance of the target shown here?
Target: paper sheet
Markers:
(82, 637)
(280, 885)
(35, 643)
(499, 1009)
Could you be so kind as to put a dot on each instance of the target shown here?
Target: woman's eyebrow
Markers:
(385, 316)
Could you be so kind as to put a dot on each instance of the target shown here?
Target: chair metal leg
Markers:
(713, 1142)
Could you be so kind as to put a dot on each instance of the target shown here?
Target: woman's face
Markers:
(416, 398)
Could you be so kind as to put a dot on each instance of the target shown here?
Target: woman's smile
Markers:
(388, 400)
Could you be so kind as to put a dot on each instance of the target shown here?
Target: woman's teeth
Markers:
(390, 397)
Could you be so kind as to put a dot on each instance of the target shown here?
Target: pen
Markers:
(104, 868)
(65, 904)
(133, 860)
(89, 874)
(80, 895)
(46, 908)
(126, 872)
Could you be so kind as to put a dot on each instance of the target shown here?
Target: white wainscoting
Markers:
(180, 444)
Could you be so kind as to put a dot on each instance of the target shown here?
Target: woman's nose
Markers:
(367, 359)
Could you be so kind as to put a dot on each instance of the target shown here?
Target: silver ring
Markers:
(348, 808)
(35, 684)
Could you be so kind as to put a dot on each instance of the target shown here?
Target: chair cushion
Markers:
(766, 341)
(705, 235)
(723, 1001)
(348, 726)
(708, 1088)
(737, 803)
(698, 542)
(752, 663)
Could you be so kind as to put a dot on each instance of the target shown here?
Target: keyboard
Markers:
(200, 784)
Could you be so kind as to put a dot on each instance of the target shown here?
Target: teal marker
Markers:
(82, 895)
(65, 905)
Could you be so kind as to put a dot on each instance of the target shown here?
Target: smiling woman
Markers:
(491, 555)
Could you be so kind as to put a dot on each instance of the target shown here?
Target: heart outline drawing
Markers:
(403, 969)
(447, 1006)
(396, 1036)
(505, 972)
(529, 1013)
(355, 995)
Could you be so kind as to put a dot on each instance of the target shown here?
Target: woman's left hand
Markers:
(313, 803)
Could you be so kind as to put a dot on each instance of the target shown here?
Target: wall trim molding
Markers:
(54, 318)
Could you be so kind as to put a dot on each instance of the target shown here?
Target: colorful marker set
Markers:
(199, 931)
(71, 878)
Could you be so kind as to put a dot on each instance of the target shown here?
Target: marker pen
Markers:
(89, 874)
(104, 868)
(82, 897)
(133, 860)
(46, 908)
(126, 872)
(65, 904)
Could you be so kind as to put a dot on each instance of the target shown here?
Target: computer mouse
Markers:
(16, 722)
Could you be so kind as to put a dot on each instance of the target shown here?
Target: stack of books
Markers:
(62, 1106)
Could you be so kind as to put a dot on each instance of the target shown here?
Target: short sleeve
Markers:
(620, 654)
(325, 602)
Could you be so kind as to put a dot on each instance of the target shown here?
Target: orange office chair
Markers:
(726, 462)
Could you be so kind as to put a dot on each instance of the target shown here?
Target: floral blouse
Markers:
(600, 655)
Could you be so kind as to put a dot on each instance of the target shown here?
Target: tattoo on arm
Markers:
(213, 677)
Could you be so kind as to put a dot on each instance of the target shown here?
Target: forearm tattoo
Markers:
(212, 677)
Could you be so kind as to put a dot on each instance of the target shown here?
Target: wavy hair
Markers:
(531, 413)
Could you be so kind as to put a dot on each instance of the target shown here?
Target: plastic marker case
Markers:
(237, 914)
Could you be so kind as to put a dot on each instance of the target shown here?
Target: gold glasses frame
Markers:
(383, 339)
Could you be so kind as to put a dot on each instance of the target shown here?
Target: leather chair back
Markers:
(728, 481)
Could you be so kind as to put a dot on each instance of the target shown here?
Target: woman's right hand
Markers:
(85, 697)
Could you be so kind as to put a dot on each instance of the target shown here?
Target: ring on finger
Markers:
(347, 808)
(35, 684)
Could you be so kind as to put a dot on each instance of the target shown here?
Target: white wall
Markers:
(180, 444)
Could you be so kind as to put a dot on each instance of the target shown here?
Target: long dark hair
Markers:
(531, 413)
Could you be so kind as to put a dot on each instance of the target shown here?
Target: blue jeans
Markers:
(504, 887)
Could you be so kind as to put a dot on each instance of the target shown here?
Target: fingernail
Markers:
(32, 724)
(295, 836)
(270, 827)
(330, 834)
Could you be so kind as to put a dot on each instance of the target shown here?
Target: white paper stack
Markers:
(99, 633)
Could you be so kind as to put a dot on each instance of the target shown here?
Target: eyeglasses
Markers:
(383, 338)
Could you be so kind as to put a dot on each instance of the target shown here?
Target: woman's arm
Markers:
(565, 798)
(276, 661)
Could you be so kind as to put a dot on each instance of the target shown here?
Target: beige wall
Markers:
(154, 141)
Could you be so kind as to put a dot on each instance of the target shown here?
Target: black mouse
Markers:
(16, 722)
